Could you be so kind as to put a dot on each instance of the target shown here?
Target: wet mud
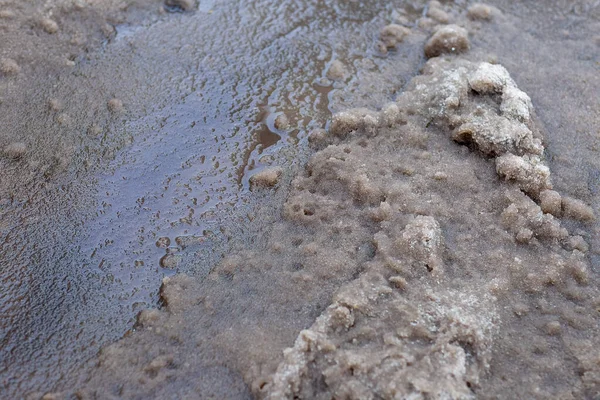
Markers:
(382, 200)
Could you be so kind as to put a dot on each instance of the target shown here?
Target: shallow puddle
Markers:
(139, 155)
(209, 98)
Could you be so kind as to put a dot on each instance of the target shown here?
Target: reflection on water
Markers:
(105, 204)
(209, 99)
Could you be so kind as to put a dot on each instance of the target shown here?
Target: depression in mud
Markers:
(337, 199)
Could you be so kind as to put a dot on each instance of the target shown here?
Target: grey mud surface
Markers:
(289, 200)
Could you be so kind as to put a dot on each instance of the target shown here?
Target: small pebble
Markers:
(49, 25)
(9, 67)
(55, 105)
(6, 14)
(440, 176)
(281, 122)
(480, 11)
(180, 5)
(163, 242)
(438, 14)
(450, 39)
(266, 178)
(115, 105)
(15, 150)
(170, 261)
(79, 5)
(552, 328)
(551, 202)
(336, 71)
(393, 34)
(398, 282)
(187, 241)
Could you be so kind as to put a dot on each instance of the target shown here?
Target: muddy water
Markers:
(84, 208)
(97, 188)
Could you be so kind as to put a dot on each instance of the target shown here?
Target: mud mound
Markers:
(428, 222)
(447, 280)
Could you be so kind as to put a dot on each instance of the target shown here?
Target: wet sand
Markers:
(505, 298)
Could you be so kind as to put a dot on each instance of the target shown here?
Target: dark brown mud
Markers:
(154, 139)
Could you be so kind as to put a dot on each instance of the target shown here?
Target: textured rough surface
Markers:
(417, 311)
(440, 242)
(359, 348)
